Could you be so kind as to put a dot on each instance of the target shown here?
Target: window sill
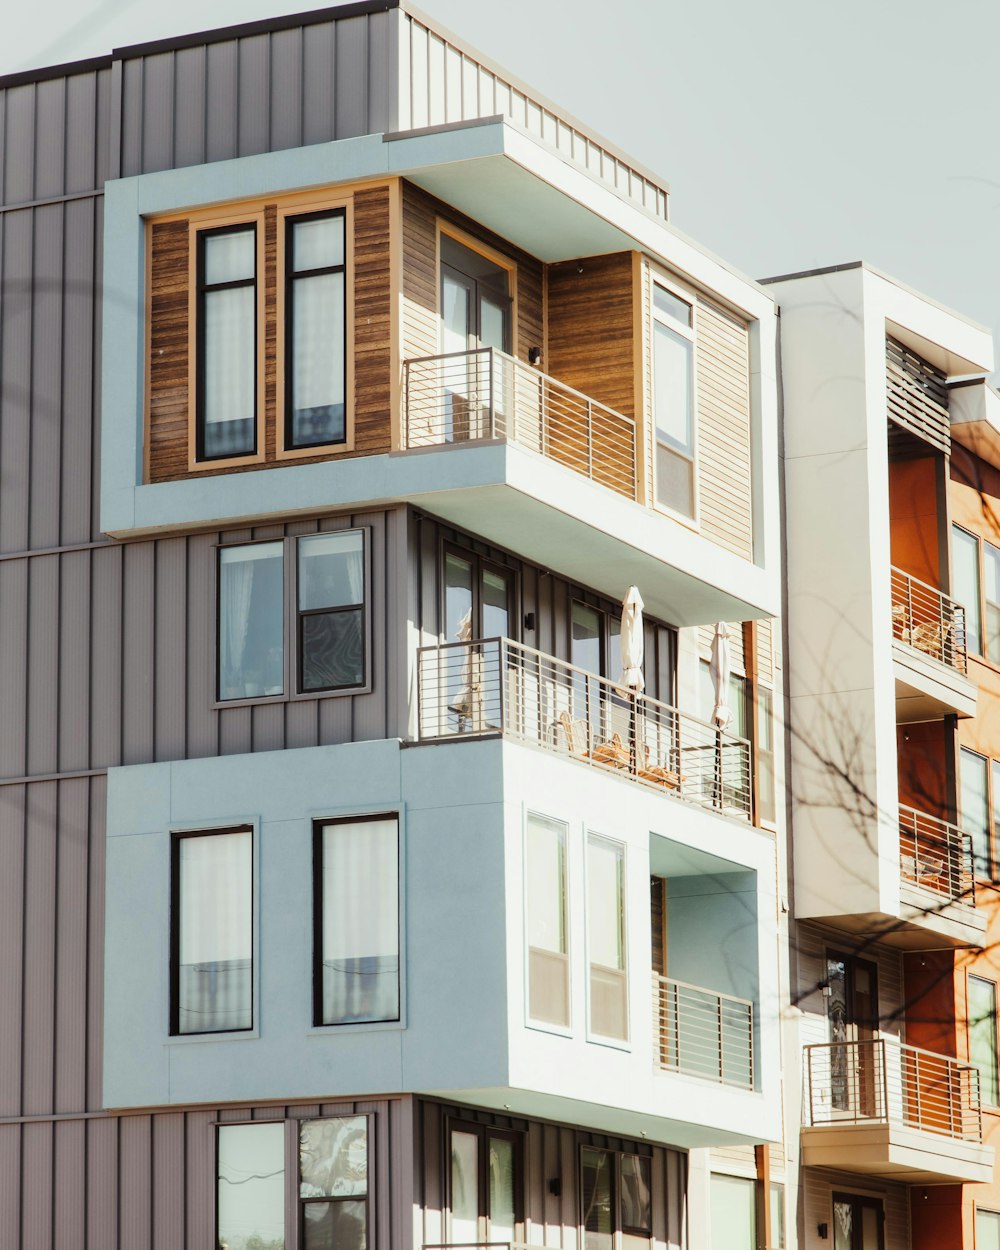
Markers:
(261, 700)
(611, 1043)
(362, 1026)
(234, 1035)
(554, 1030)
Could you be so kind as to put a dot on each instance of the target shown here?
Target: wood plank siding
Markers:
(551, 1153)
(170, 336)
(723, 448)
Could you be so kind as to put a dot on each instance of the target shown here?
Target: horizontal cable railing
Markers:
(469, 396)
(936, 856)
(925, 618)
(703, 1033)
(498, 686)
(883, 1081)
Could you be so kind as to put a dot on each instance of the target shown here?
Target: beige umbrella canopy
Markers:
(631, 640)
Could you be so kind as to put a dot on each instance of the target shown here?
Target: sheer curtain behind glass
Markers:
(548, 960)
(318, 331)
(360, 921)
(215, 932)
(606, 937)
(228, 329)
(331, 610)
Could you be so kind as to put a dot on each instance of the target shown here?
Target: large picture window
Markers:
(965, 585)
(226, 420)
(333, 1183)
(324, 576)
(357, 920)
(673, 400)
(212, 932)
(315, 329)
(616, 1196)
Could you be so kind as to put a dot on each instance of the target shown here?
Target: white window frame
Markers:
(547, 1026)
(669, 284)
(600, 1039)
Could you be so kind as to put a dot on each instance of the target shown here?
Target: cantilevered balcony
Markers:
(929, 653)
(496, 686)
(471, 396)
(936, 880)
(883, 1109)
(703, 1033)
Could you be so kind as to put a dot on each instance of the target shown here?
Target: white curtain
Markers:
(230, 360)
(360, 921)
(216, 932)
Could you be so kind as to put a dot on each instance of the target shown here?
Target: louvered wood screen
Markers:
(917, 396)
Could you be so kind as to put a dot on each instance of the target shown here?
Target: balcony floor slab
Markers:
(897, 1152)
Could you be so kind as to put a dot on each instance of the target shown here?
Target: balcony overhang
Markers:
(499, 175)
(926, 689)
(895, 1152)
(974, 408)
(930, 922)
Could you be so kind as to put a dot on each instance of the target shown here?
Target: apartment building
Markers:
(368, 880)
(888, 437)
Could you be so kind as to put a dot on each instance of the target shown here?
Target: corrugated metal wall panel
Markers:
(80, 280)
(46, 376)
(70, 922)
(158, 122)
(38, 1031)
(286, 78)
(70, 1185)
(221, 79)
(15, 369)
(12, 904)
(92, 1025)
(19, 144)
(36, 1162)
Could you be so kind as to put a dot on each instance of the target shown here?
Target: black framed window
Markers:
(486, 1186)
(250, 1186)
(226, 424)
(615, 1195)
(356, 920)
(316, 586)
(315, 329)
(331, 610)
(211, 939)
(333, 1183)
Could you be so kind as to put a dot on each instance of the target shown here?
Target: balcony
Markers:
(466, 397)
(496, 686)
(702, 1033)
(936, 880)
(928, 651)
(883, 1109)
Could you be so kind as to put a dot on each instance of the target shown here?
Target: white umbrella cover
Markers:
(631, 640)
(722, 713)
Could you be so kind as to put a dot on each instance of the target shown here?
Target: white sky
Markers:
(792, 134)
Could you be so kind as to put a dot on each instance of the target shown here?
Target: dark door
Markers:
(853, 1014)
(858, 1223)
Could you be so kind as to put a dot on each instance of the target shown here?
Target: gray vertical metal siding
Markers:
(257, 93)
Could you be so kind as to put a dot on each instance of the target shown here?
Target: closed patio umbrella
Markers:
(631, 640)
(722, 713)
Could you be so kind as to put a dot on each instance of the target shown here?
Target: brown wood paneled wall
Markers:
(420, 278)
(169, 337)
(591, 339)
(551, 1153)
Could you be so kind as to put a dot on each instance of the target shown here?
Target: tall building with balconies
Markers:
(889, 718)
(371, 877)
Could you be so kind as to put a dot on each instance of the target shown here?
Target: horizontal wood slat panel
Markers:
(916, 396)
(723, 379)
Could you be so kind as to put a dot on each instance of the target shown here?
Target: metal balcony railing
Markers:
(882, 1081)
(928, 620)
(703, 1033)
(485, 394)
(936, 856)
(498, 686)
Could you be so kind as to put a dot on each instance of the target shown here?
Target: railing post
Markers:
(809, 1069)
(911, 626)
(406, 403)
(502, 683)
(885, 1079)
(590, 439)
(493, 432)
(722, 1057)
